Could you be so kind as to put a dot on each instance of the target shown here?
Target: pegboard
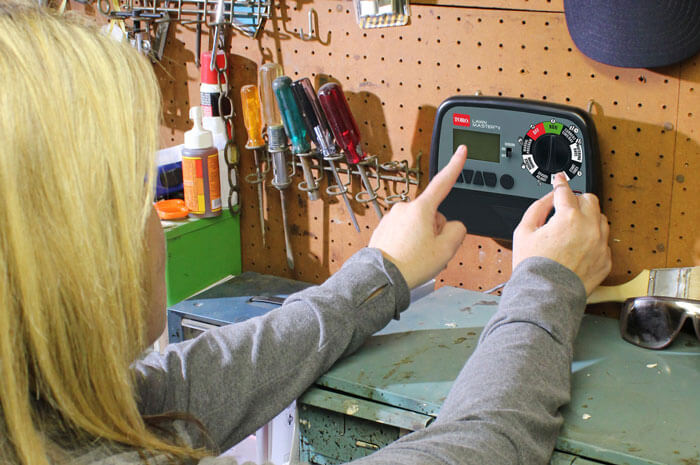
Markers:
(395, 78)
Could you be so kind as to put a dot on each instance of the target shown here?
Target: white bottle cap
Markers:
(215, 124)
(198, 137)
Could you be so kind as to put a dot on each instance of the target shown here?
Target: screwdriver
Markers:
(316, 124)
(253, 124)
(346, 133)
(296, 130)
(276, 143)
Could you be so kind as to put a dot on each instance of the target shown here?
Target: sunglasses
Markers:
(654, 322)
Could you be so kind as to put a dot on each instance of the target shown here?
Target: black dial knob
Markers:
(551, 152)
(549, 148)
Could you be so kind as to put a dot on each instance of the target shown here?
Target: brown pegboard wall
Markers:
(395, 78)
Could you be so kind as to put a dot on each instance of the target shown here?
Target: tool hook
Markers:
(313, 20)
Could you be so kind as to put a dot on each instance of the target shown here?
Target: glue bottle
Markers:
(217, 127)
(200, 170)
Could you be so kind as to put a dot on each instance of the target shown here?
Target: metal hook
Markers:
(302, 36)
(218, 20)
(589, 108)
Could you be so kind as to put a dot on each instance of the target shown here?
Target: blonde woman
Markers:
(82, 286)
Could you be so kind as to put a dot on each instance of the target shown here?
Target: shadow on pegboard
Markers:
(422, 137)
(278, 21)
(639, 179)
(173, 78)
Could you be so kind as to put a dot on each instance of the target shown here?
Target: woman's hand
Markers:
(576, 236)
(415, 236)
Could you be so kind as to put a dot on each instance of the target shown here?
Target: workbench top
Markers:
(629, 405)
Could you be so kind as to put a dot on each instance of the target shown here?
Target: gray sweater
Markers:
(502, 409)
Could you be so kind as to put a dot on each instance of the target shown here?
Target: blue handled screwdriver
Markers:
(296, 130)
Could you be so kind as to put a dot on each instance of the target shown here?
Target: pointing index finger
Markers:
(438, 188)
(563, 195)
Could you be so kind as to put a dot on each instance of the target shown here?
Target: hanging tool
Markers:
(198, 40)
(347, 135)
(218, 21)
(253, 124)
(276, 144)
(316, 124)
(296, 130)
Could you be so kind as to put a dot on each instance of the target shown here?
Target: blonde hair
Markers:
(78, 133)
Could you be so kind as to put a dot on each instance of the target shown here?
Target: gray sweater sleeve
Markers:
(236, 378)
(504, 406)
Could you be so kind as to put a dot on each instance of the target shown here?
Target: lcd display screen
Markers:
(480, 145)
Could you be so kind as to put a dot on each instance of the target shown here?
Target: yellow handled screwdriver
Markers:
(250, 101)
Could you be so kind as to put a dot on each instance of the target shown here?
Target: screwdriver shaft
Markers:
(260, 197)
(287, 241)
(371, 192)
(345, 195)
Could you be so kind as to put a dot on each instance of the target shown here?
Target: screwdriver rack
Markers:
(389, 177)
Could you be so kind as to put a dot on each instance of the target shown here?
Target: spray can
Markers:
(209, 88)
(200, 170)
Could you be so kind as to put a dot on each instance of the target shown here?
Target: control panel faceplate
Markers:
(515, 148)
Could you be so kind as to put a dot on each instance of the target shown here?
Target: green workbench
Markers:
(201, 252)
(629, 406)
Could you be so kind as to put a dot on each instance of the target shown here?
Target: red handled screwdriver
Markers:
(346, 133)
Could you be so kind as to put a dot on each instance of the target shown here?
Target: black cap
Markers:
(635, 33)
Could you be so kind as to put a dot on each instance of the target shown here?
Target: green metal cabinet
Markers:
(201, 252)
(629, 405)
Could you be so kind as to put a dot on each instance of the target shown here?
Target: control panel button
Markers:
(507, 181)
(490, 179)
(509, 152)
(478, 179)
(467, 176)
